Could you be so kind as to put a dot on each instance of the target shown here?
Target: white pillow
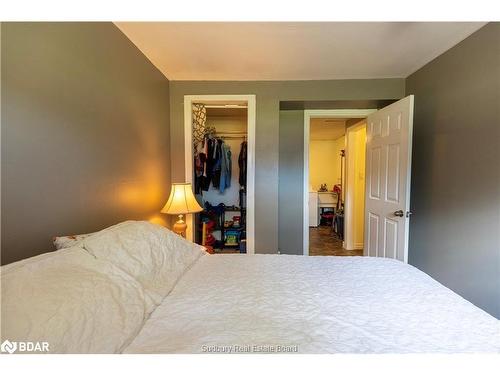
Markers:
(152, 254)
(73, 301)
(63, 242)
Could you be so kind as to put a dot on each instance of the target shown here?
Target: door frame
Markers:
(349, 192)
(308, 115)
(188, 156)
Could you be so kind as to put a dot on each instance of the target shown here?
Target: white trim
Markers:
(305, 223)
(188, 155)
(252, 120)
(408, 174)
(348, 191)
(308, 115)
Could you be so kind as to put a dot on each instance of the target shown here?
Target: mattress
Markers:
(296, 304)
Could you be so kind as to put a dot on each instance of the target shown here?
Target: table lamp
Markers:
(180, 202)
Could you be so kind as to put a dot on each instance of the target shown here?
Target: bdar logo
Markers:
(9, 347)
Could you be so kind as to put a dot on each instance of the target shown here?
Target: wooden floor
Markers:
(323, 242)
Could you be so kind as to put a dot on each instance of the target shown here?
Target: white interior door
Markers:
(388, 173)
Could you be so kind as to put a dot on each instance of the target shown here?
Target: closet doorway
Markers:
(228, 122)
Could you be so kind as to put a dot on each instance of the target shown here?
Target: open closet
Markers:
(220, 154)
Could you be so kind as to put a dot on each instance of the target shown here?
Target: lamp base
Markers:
(180, 226)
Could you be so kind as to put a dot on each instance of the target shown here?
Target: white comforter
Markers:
(269, 303)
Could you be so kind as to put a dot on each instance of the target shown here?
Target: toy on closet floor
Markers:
(236, 221)
(232, 237)
(207, 237)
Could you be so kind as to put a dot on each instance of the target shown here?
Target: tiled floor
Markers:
(323, 242)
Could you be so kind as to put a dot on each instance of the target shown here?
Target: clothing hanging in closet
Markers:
(242, 163)
(225, 175)
(213, 165)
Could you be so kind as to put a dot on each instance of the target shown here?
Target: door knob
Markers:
(399, 213)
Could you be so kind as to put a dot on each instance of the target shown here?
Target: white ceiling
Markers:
(293, 51)
(325, 129)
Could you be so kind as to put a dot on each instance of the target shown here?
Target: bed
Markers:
(146, 290)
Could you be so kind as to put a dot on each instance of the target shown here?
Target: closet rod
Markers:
(231, 132)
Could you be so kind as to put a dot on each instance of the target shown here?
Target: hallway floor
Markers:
(323, 242)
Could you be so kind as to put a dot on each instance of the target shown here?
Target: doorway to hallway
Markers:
(325, 180)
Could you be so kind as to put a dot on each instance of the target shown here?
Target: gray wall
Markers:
(85, 133)
(291, 177)
(269, 94)
(454, 232)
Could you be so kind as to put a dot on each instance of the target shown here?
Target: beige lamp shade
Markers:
(181, 200)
